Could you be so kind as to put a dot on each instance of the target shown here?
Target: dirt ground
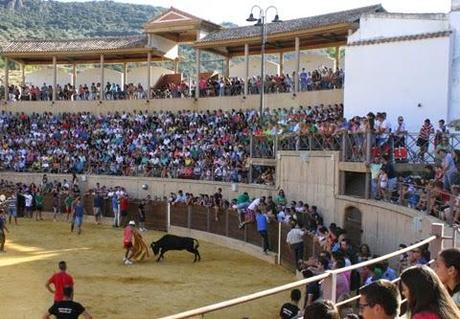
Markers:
(109, 289)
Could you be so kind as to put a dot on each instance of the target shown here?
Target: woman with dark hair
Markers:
(364, 253)
(426, 296)
(447, 268)
(323, 310)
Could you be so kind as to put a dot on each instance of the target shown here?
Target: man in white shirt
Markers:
(29, 203)
(383, 128)
(295, 240)
(255, 203)
(400, 133)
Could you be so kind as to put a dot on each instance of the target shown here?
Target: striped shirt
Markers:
(425, 131)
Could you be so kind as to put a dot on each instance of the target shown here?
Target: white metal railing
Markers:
(328, 278)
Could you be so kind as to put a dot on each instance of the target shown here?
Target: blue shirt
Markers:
(390, 274)
(114, 201)
(261, 221)
(97, 201)
(79, 210)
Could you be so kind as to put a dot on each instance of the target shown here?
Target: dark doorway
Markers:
(353, 225)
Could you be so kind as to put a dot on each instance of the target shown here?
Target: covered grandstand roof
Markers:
(97, 44)
(286, 29)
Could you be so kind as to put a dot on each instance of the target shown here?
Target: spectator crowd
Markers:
(319, 79)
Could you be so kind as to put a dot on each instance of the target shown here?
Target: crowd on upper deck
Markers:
(317, 79)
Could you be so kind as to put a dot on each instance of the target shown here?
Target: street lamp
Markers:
(261, 23)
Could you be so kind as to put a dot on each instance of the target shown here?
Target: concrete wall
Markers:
(156, 186)
(310, 62)
(239, 69)
(46, 75)
(311, 177)
(384, 25)
(325, 97)
(93, 75)
(139, 75)
(385, 225)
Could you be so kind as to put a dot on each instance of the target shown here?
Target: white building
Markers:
(405, 64)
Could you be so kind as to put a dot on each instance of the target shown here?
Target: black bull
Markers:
(172, 242)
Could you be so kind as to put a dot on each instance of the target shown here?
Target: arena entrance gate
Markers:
(353, 225)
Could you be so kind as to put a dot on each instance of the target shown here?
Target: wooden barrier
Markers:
(220, 222)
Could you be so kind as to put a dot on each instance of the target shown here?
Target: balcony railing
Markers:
(358, 147)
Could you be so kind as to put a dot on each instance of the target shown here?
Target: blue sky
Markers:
(236, 11)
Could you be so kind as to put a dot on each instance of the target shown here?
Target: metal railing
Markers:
(328, 278)
(433, 201)
(364, 147)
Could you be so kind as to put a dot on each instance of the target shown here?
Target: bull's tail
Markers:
(197, 244)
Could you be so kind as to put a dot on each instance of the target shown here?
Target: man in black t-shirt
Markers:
(290, 309)
(67, 308)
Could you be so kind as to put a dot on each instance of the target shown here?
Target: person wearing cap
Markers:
(128, 242)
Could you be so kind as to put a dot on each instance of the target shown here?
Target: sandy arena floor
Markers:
(109, 289)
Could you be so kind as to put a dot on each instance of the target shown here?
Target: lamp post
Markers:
(261, 23)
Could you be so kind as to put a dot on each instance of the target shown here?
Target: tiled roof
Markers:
(411, 37)
(69, 45)
(349, 16)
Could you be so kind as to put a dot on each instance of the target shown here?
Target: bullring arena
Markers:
(109, 289)
(301, 186)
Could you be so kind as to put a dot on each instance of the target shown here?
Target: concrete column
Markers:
(54, 77)
(246, 68)
(125, 75)
(23, 74)
(176, 65)
(281, 62)
(149, 66)
(227, 67)
(7, 83)
(337, 58)
(74, 79)
(198, 62)
(101, 96)
(74, 74)
(297, 64)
